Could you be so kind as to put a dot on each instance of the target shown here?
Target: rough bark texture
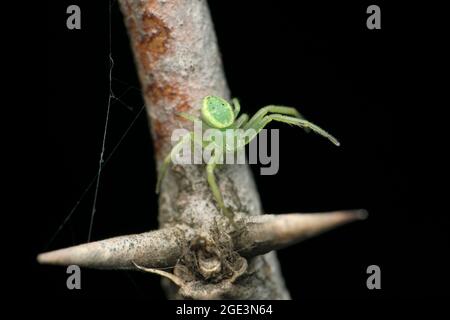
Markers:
(179, 63)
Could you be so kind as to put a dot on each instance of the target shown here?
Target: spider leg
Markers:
(194, 119)
(242, 120)
(168, 159)
(237, 106)
(289, 111)
(215, 188)
(188, 116)
(257, 127)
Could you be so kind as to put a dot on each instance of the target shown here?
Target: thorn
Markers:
(158, 248)
(271, 232)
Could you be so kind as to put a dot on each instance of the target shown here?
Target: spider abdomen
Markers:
(217, 112)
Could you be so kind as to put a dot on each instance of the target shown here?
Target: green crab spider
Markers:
(217, 113)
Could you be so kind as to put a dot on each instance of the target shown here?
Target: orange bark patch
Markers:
(150, 38)
(158, 95)
(156, 92)
(153, 40)
(158, 33)
(183, 107)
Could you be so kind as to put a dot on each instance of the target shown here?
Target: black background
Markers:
(320, 58)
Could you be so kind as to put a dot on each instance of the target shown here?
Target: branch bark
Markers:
(178, 62)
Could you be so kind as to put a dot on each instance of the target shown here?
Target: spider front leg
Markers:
(241, 121)
(168, 159)
(261, 123)
(215, 188)
(289, 111)
(188, 116)
(237, 106)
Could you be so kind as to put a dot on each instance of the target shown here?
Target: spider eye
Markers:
(217, 112)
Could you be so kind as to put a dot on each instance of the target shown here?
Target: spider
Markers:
(219, 114)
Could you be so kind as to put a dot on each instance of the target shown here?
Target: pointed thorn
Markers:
(158, 249)
(271, 232)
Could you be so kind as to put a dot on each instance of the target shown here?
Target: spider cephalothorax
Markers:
(217, 113)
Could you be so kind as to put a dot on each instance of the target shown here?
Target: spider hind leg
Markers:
(211, 178)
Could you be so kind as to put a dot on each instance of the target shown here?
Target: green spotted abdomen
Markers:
(217, 112)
